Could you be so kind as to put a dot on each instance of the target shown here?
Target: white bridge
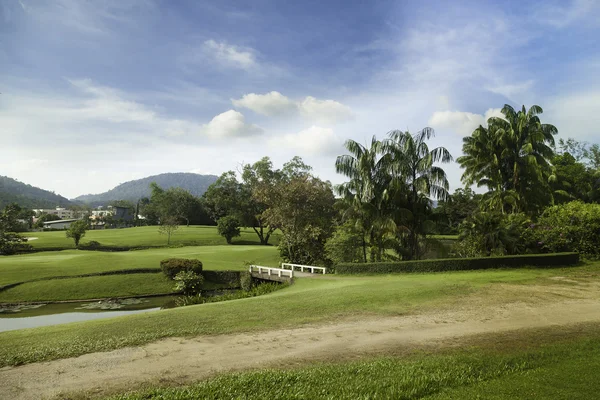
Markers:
(310, 268)
(272, 274)
(283, 274)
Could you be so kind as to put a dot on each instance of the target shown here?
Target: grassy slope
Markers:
(145, 236)
(543, 370)
(76, 262)
(330, 298)
(93, 287)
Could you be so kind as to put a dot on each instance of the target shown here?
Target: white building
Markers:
(60, 212)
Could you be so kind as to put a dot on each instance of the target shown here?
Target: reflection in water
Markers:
(53, 314)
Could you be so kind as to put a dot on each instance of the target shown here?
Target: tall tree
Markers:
(301, 206)
(511, 157)
(417, 180)
(366, 193)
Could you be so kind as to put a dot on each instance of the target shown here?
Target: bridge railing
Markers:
(311, 268)
(280, 272)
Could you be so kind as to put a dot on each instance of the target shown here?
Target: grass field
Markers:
(536, 364)
(146, 236)
(331, 297)
(44, 265)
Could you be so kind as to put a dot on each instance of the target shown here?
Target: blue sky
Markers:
(98, 93)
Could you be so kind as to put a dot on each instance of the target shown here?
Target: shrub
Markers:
(232, 278)
(459, 264)
(345, 245)
(246, 281)
(573, 226)
(258, 290)
(172, 266)
(494, 234)
(188, 282)
(91, 245)
(228, 227)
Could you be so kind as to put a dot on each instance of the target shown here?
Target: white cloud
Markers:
(269, 104)
(463, 123)
(315, 110)
(230, 124)
(325, 111)
(311, 141)
(229, 55)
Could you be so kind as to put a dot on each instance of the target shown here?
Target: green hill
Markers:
(196, 184)
(27, 196)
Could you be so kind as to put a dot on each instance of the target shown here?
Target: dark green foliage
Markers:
(455, 209)
(492, 233)
(461, 264)
(228, 227)
(231, 278)
(246, 282)
(188, 282)
(11, 242)
(345, 245)
(258, 290)
(574, 226)
(172, 266)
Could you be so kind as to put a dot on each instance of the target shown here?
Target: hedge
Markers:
(172, 266)
(461, 264)
(232, 278)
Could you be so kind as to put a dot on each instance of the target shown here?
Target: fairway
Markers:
(146, 236)
(46, 265)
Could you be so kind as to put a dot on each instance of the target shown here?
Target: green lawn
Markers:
(145, 236)
(331, 297)
(544, 370)
(93, 287)
(28, 267)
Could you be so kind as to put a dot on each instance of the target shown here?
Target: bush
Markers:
(172, 266)
(494, 234)
(258, 290)
(460, 264)
(188, 282)
(573, 226)
(232, 278)
(345, 245)
(246, 281)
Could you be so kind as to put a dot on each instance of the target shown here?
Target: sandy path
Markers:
(185, 360)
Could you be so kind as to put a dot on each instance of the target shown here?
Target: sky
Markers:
(97, 93)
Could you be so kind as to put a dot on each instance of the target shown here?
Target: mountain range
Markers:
(27, 196)
(134, 190)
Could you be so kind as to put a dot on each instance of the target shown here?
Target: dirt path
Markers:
(179, 360)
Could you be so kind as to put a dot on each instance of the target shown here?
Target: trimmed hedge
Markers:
(232, 278)
(172, 266)
(461, 264)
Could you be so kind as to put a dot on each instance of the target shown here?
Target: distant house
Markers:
(60, 224)
(60, 212)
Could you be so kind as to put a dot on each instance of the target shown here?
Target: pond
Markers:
(31, 316)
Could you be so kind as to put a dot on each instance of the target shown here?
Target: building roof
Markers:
(59, 221)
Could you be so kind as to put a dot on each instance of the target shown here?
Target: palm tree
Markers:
(366, 192)
(512, 158)
(417, 180)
